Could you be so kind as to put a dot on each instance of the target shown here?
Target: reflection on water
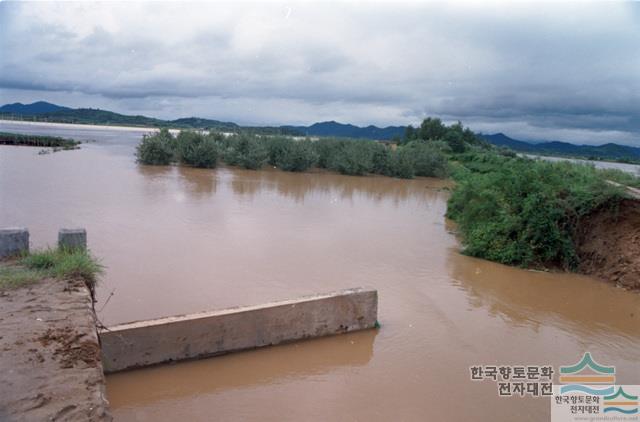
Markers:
(179, 240)
(297, 186)
(210, 376)
(198, 183)
(536, 299)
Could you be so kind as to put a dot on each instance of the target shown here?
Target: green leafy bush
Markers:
(197, 150)
(296, 156)
(157, 149)
(276, 148)
(246, 151)
(525, 212)
(428, 161)
(402, 164)
(354, 158)
(381, 160)
(328, 149)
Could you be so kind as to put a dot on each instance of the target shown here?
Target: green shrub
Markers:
(525, 212)
(402, 164)
(354, 158)
(156, 149)
(381, 160)
(428, 161)
(328, 149)
(296, 156)
(246, 151)
(276, 147)
(38, 141)
(197, 150)
(455, 141)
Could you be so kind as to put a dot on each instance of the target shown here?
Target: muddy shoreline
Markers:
(50, 362)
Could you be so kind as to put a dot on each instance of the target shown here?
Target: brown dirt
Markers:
(50, 355)
(609, 245)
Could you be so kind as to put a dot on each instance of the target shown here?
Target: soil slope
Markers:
(609, 244)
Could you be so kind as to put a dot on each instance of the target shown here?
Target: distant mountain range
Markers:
(608, 151)
(349, 131)
(44, 111)
(34, 109)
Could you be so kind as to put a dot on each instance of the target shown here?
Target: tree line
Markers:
(422, 152)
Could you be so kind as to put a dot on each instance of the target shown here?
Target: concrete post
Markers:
(13, 241)
(72, 239)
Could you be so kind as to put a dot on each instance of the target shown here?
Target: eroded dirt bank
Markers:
(49, 354)
(609, 244)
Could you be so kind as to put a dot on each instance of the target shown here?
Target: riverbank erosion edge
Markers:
(609, 244)
(51, 362)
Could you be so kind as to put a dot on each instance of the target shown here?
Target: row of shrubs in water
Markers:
(352, 157)
(37, 140)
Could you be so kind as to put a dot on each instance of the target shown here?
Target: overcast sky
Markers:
(534, 71)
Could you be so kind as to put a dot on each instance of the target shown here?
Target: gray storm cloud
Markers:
(535, 71)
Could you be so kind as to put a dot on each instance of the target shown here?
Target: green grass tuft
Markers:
(12, 276)
(58, 263)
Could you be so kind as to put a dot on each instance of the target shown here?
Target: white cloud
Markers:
(548, 69)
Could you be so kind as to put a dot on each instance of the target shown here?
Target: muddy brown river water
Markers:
(179, 240)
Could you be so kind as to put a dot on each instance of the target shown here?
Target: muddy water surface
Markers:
(177, 240)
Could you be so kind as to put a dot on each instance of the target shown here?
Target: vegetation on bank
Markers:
(50, 263)
(622, 177)
(417, 157)
(525, 212)
(37, 141)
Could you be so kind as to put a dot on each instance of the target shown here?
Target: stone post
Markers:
(72, 239)
(13, 241)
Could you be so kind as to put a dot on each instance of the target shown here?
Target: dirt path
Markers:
(49, 355)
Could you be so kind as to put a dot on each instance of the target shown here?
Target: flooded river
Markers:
(178, 240)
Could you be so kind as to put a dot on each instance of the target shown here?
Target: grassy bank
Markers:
(525, 212)
(37, 141)
(47, 263)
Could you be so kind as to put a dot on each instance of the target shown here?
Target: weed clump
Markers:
(58, 263)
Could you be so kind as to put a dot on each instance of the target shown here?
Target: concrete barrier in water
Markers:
(144, 343)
